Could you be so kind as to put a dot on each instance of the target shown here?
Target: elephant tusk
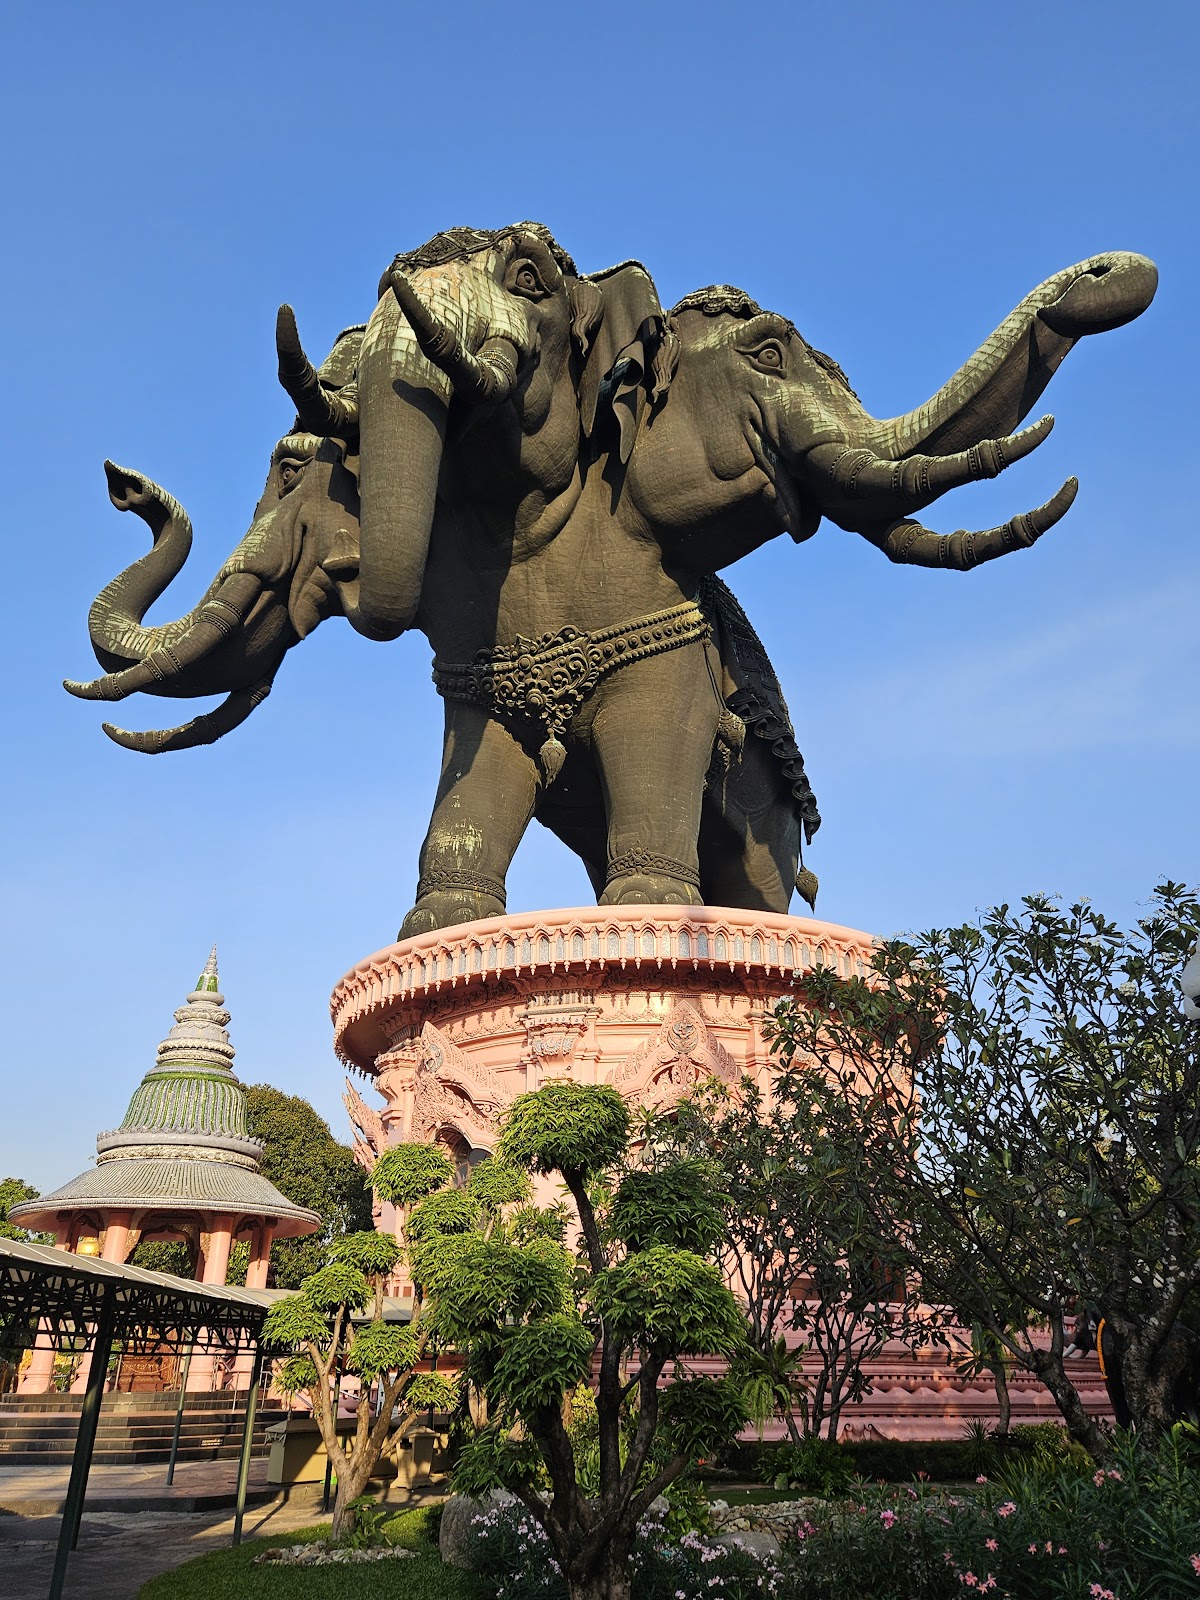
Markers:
(319, 410)
(909, 544)
(488, 378)
(205, 729)
(216, 620)
(918, 480)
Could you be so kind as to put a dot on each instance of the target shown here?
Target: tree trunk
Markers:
(1003, 1398)
(1080, 1425)
(608, 1579)
(353, 1475)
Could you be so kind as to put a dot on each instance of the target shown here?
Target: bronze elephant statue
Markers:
(547, 473)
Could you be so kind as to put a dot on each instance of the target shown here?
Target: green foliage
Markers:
(295, 1321)
(165, 1255)
(1022, 1096)
(492, 1458)
(13, 1192)
(432, 1391)
(446, 1211)
(305, 1162)
(689, 1508)
(480, 1285)
(373, 1254)
(380, 1348)
(495, 1185)
(239, 1263)
(295, 1375)
(540, 1363)
(698, 1415)
(669, 1300)
(678, 1206)
(816, 1466)
(338, 1284)
(370, 1522)
(573, 1128)
(406, 1173)
(1129, 1529)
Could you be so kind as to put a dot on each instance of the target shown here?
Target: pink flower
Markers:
(1062, 1549)
(969, 1579)
(1033, 1549)
(1007, 1509)
(1196, 1563)
(1049, 1547)
(947, 1558)
(990, 1544)
(887, 1518)
(982, 1478)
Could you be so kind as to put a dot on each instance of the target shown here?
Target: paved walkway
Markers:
(134, 1527)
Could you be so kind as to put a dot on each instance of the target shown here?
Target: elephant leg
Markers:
(749, 834)
(573, 810)
(484, 803)
(652, 732)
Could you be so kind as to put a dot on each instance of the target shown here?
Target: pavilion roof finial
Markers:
(207, 982)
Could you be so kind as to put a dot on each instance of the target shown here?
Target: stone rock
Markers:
(765, 1546)
(457, 1539)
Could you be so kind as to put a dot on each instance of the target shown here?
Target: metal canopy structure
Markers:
(97, 1304)
(39, 1283)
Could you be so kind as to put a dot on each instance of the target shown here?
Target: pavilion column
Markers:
(216, 1264)
(256, 1278)
(39, 1375)
(116, 1237)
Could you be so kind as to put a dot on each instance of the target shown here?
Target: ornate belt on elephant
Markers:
(548, 679)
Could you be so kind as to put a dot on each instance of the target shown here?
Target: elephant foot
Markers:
(650, 889)
(447, 908)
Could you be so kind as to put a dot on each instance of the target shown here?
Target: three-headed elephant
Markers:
(547, 473)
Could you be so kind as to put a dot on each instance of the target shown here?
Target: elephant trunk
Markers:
(448, 332)
(114, 622)
(403, 404)
(997, 388)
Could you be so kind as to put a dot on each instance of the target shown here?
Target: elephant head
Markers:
(761, 433)
(297, 565)
(477, 380)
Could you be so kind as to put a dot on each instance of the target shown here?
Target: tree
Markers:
(13, 1191)
(320, 1321)
(1026, 1094)
(307, 1164)
(535, 1320)
(796, 1241)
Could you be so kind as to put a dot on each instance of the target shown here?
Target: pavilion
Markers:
(181, 1167)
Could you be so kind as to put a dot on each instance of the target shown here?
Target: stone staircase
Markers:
(39, 1430)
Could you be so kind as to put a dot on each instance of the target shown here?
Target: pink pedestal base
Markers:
(453, 1025)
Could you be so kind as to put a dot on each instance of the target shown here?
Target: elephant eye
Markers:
(524, 279)
(289, 471)
(769, 357)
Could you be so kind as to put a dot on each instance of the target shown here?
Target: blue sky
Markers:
(893, 178)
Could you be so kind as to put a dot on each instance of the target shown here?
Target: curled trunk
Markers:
(992, 392)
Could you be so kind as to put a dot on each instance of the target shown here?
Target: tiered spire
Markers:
(190, 1098)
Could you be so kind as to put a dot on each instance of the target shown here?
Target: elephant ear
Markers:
(628, 300)
(641, 374)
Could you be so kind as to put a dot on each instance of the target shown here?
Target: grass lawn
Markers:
(231, 1574)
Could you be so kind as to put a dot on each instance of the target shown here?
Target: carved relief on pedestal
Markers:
(452, 1091)
(554, 1025)
(681, 1055)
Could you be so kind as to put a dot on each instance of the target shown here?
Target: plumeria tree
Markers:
(796, 1243)
(1025, 1095)
(620, 1310)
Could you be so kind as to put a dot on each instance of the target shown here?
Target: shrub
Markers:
(1127, 1531)
(517, 1563)
(816, 1466)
